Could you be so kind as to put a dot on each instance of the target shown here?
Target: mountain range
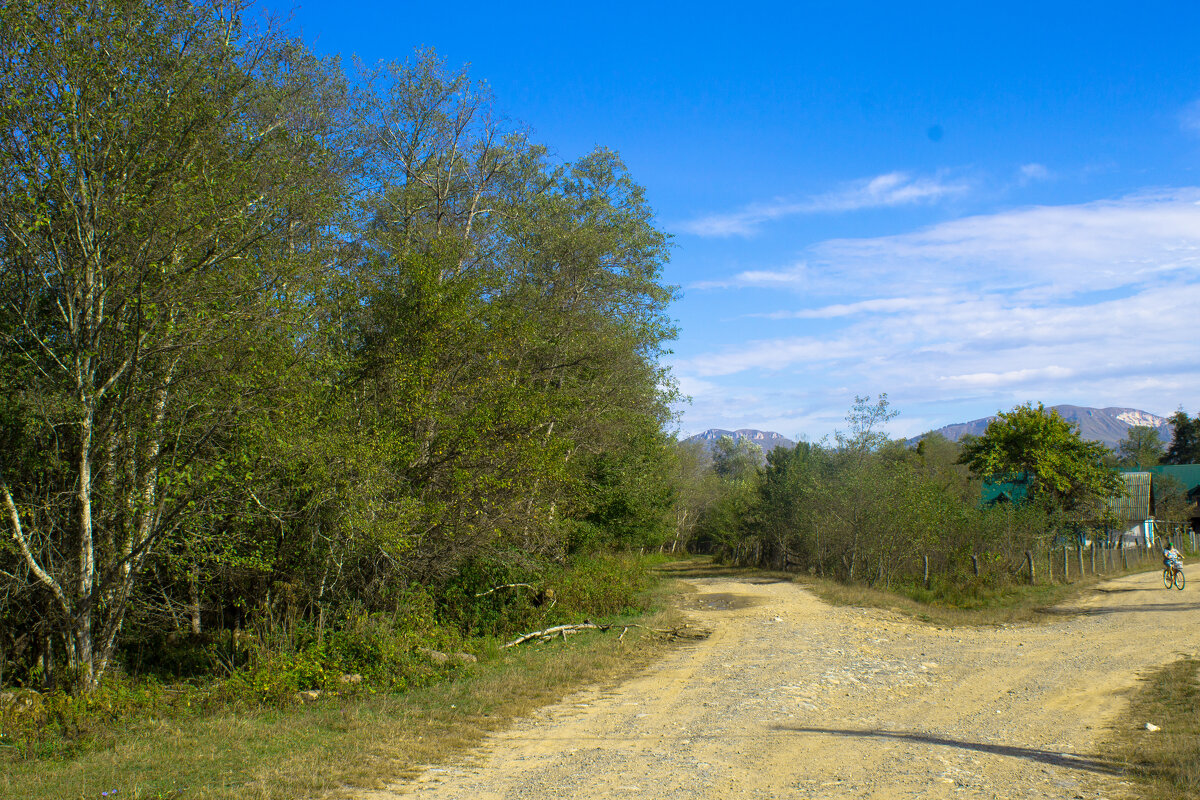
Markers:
(767, 440)
(1107, 425)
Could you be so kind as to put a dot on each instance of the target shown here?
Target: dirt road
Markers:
(792, 698)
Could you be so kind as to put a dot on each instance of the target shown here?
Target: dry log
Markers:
(680, 632)
(557, 629)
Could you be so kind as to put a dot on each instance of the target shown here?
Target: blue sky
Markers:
(965, 208)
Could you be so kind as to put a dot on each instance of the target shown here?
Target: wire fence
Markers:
(1064, 563)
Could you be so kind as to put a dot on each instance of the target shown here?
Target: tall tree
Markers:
(162, 169)
(1185, 441)
(736, 459)
(1036, 444)
(1141, 447)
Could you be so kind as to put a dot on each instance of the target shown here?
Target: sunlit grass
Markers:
(970, 602)
(1166, 762)
(336, 745)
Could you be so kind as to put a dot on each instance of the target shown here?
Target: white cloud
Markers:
(892, 189)
(885, 305)
(883, 191)
(793, 277)
(1093, 304)
(1028, 173)
(1049, 250)
(1085, 247)
(993, 380)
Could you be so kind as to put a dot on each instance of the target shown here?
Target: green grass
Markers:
(334, 745)
(1166, 762)
(140, 739)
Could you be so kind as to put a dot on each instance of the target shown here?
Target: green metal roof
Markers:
(1187, 475)
(1014, 491)
(1133, 504)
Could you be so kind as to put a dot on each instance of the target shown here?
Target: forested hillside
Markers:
(283, 349)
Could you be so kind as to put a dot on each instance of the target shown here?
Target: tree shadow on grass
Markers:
(1080, 762)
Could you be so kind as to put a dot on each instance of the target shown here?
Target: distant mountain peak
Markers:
(767, 440)
(1109, 425)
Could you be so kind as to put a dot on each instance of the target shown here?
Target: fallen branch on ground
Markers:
(679, 632)
(549, 633)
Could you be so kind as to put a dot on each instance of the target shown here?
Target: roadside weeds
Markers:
(340, 746)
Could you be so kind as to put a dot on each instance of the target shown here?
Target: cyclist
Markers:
(1172, 558)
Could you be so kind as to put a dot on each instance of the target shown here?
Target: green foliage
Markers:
(1040, 446)
(1185, 440)
(345, 360)
(870, 510)
(736, 459)
(601, 585)
(390, 651)
(1140, 448)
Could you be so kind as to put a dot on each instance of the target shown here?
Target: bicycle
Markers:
(1173, 576)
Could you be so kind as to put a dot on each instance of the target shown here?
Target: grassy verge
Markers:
(980, 605)
(1165, 762)
(361, 738)
(335, 745)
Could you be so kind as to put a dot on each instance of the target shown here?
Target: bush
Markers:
(602, 585)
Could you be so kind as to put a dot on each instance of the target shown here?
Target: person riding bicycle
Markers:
(1172, 558)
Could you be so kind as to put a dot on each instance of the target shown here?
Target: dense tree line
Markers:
(869, 509)
(275, 343)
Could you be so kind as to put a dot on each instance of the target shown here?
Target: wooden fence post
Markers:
(1066, 565)
(1079, 558)
(975, 564)
(926, 571)
(1124, 559)
(1050, 565)
(1029, 561)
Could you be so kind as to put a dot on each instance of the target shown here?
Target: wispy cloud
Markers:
(885, 305)
(883, 191)
(1028, 173)
(794, 277)
(1054, 250)
(1091, 303)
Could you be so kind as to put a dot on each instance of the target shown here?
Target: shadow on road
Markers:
(707, 569)
(1086, 763)
(1072, 611)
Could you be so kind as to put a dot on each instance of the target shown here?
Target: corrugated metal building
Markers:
(1133, 510)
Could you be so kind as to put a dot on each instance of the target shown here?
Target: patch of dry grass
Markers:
(1165, 762)
(335, 746)
(1006, 605)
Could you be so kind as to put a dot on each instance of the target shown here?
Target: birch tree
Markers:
(154, 155)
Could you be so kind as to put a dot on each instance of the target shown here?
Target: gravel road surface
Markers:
(792, 698)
